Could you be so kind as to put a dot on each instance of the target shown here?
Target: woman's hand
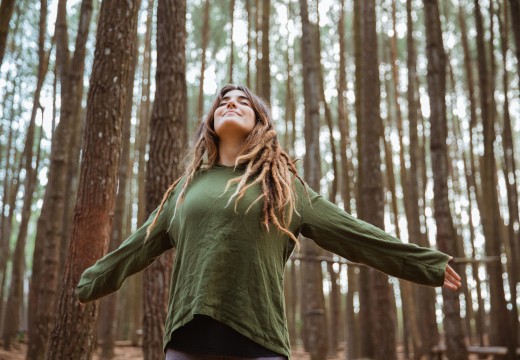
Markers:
(451, 279)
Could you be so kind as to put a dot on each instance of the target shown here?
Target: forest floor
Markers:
(127, 353)
(135, 353)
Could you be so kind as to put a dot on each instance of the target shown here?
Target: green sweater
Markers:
(229, 267)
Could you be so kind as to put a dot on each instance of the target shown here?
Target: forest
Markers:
(404, 113)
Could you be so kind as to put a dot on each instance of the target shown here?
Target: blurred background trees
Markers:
(405, 113)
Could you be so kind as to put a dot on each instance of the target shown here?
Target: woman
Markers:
(234, 217)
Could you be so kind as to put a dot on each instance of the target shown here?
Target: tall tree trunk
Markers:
(264, 72)
(333, 317)
(456, 348)
(313, 302)
(11, 320)
(258, 49)
(7, 198)
(456, 176)
(371, 206)
(73, 336)
(345, 186)
(42, 293)
(167, 145)
(231, 43)
(410, 329)
(359, 337)
(205, 36)
(144, 117)
(511, 181)
(500, 332)
(343, 120)
(428, 334)
(109, 305)
(515, 22)
(6, 12)
(136, 287)
(471, 170)
(249, 30)
(290, 102)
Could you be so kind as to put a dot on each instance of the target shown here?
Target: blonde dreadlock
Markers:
(267, 164)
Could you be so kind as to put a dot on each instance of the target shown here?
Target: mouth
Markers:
(231, 113)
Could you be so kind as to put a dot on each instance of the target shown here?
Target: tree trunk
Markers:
(231, 43)
(205, 35)
(46, 269)
(135, 289)
(167, 146)
(11, 320)
(289, 105)
(249, 30)
(144, 117)
(456, 348)
(511, 181)
(264, 72)
(424, 317)
(8, 199)
(313, 302)
(500, 332)
(96, 193)
(6, 12)
(371, 207)
(515, 22)
(109, 305)
(343, 120)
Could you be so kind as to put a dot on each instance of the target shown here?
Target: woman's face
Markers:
(234, 117)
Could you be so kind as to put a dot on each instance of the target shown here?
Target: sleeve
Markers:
(133, 255)
(339, 232)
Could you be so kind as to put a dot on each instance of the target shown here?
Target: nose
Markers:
(231, 104)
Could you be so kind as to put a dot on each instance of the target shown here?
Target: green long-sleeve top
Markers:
(229, 267)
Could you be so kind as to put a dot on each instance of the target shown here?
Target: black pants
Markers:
(179, 355)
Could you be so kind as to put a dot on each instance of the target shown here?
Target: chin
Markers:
(230, 126)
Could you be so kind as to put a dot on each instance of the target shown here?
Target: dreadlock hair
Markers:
(266, 164)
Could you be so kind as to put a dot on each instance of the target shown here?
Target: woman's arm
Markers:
(337, 231)
(108, 274)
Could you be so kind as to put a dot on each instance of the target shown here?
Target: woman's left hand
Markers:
(451, 279)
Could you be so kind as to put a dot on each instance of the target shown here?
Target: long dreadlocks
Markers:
(267, 164)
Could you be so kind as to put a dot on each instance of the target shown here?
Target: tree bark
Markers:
(454, 334)
(11, 320)
(205, 35)
(511, 180)
(428, 334)
(73, 336)
(500, 331)
(231, 43)
(371, 206)
(6, 12)
(7, 197)
(249, 30)
(43, 292)
(168, 129)
(515, 23)
(264, 72)
(109, 305)
(313, 302)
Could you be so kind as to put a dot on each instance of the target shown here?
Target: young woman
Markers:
(234, 218)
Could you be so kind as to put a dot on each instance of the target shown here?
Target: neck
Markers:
(228, 152)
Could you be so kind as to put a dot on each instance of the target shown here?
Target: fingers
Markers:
(452, 280)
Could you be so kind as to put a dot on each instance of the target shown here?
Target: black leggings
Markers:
(179, 355)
